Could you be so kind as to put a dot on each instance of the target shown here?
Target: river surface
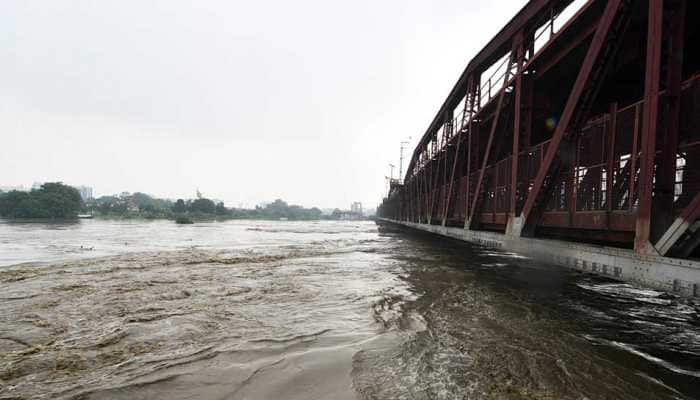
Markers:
(321, 310)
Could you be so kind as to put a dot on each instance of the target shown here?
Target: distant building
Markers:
(355, 212)
(85, 192)
(37, 185)
(356, 207)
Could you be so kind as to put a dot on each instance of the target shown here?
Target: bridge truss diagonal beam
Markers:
(679, 227)
(494, 124)
(468, 106)
(583, 92)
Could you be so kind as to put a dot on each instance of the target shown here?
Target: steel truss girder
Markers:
(649, 125)
(603, 46)
(472, 222)
(468, 105)
(679, 227)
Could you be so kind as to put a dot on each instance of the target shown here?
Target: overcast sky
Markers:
(246, 100)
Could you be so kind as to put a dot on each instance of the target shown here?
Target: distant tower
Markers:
(403, 144)
(199, 194)
(356, 207)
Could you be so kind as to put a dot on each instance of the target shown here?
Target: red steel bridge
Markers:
(578, 121)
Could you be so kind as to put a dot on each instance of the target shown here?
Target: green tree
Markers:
(221, 209)
(52, 200)
(58, 200)
(179, 206)
(150, 204)
(205, 206)
(31, 208)
(9, 202)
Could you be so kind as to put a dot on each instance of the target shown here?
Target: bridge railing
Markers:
(602, 178)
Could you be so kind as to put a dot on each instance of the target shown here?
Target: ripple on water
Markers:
(288, 310)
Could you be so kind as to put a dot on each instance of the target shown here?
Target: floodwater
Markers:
(321, 310)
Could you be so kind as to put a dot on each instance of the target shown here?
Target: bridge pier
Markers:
(680, 277)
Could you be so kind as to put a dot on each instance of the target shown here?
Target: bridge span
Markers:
(573, 136)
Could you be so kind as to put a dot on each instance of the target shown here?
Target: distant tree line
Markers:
(50, 201)
(56, 200)
(141, 205)
(137, 205)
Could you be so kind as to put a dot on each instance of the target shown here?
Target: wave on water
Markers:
(227, 312)
(122, 326)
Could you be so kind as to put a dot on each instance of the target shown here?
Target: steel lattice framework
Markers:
(577, 121)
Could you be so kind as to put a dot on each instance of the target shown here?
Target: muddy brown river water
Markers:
(321, 310)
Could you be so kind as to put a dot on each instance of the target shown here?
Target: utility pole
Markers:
(389, 178)
(403, 144)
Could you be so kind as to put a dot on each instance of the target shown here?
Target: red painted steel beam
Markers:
(469, 162)
(468, 105)
(424, 191)
(666, 171)
(487, 151)
(446, 142)
(633, 161)
(649, 125)
(516, 129)
(610, 157)
(529, 97)
(571, 45)
(679, 226)
(582, 80)
(527, 19)
(434, 184)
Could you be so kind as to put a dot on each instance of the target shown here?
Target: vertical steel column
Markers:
(407, 188)
(416, 198)
(572, 181)
(424, 190)
(516, 132)
(416, 188)
(434, 175)
(633, 160)
(467, 99)
(662, 204)
(610, 160)
(528, 99)
(476, 104)
(447, 133)
(651, 108)
(487, 151)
